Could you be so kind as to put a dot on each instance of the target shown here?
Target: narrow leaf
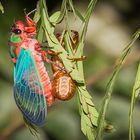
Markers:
(83, 124)
(91, 133)
(82, 90)
(62, 12)
(93, 115)
(1, 8)
(40, 34)
(85, 26)
(37, 13)
(75, 11)
(54, 17)
(135, 93)
(111, 83)
(84, 106)
(68, 44)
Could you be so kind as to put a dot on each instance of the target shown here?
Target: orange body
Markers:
(63, 87)
(44, 77)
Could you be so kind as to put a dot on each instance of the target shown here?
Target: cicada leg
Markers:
(14, 60)
(31, 24)
(77, 59)
(44, 55)
(74, 39)
(53, 53)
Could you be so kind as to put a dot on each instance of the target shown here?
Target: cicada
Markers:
(63, 86)
(32, 84)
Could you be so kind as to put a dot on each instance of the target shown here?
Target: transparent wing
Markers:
(28, 90)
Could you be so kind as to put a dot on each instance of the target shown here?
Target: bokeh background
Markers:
(110, 28)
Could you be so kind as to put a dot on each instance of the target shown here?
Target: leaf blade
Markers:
(135, 93)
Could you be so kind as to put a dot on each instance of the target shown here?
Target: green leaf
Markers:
(1, 8)
(79, 103)
(44, 6)
(87, 120)
(91, 133)
(79, 15)
(85, 25)
(68, 44)
(135, 93)
(89, 102)
(76, 12)
(37, 13)
(40, 34)
(83, 124)
(46, 23)
(84, 105)
(89, 114)
(54, 17)
(62, 12)
(83, 91)
(93, 115)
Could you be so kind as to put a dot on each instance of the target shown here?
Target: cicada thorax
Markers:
(63, 86)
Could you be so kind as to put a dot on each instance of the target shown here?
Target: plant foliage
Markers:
(135, 93)
(111, 83)
(47, 24)
(92, 123)
(1, 8)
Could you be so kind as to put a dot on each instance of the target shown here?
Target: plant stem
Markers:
(111, 83)
(135, 93)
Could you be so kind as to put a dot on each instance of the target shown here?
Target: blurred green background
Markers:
(110, 28)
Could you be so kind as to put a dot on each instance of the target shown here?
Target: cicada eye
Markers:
(17, 31)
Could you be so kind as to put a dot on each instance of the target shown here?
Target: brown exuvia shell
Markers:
(63, 86)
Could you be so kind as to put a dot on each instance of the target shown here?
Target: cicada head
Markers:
(21, 31)
(18, 34)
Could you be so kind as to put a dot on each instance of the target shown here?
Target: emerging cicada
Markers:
(31, 81)
(63, 86)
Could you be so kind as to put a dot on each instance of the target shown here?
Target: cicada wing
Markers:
(28, 90)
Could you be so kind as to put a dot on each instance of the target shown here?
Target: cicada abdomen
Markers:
(63, 86)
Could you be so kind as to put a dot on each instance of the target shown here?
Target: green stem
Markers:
(111, 83)
(131, 128)
(135, 92)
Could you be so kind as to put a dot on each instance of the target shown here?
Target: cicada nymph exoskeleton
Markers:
(63, 86)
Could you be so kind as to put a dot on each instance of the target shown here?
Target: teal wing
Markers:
(28, 89)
